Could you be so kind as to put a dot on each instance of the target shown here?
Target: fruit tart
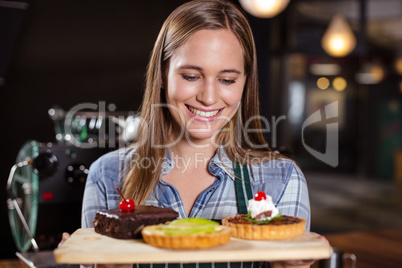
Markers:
(264, 222)
(191, 233)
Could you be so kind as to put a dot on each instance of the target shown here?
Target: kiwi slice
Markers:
(193, 221)
(189, 226)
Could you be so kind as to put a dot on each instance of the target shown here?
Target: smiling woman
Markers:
(203, 61)
(201, 138)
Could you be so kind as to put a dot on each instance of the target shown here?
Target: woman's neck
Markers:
(190, 155)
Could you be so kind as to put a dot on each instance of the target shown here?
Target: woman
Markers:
(200, 119)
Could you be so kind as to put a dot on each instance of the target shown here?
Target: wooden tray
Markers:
(86, 246)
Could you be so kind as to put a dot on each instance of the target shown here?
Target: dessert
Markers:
(126, 204)
(264, 222)
(127, 221)
(191, 233)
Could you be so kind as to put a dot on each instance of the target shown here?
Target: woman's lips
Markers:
(203, 115)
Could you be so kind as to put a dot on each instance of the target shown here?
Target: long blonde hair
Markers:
(178, 27)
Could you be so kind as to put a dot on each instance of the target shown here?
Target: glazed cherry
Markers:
(126, 204)
(259, 196)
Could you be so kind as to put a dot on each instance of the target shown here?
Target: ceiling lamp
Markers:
(370, 73)
(338, 40)
(322, 83)
(264, 8)
(339, 83)
(398, 65)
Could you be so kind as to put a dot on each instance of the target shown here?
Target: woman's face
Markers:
(205, 82)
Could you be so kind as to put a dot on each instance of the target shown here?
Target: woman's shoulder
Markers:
(278, 168)
(113, 161)
(277, 162)
(269, 163)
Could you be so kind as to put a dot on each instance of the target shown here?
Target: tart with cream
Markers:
(191, 233)
(264, 222)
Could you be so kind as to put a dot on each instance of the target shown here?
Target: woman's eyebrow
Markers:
(190, 67)
(230, 71)
(197, 68)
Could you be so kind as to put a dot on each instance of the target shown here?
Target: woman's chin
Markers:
(199, 138)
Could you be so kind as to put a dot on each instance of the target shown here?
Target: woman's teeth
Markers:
(202, 113)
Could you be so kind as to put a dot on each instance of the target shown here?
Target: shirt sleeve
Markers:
(94, 196)
(295, 199)
(100, 189)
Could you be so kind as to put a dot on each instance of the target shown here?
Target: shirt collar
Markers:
(168, 163)
(221, 161)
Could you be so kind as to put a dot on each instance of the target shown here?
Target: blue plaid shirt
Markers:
(280, 178)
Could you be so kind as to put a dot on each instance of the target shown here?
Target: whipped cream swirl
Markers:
(262, 210)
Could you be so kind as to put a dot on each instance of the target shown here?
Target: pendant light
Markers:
(264, 8)
(370, 73)
(338, 40)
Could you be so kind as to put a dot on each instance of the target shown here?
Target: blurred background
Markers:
(330, 76)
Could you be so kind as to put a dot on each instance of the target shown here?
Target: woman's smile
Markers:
(203, 115)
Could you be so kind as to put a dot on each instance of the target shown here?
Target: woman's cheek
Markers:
(232, 97)
(180, 91)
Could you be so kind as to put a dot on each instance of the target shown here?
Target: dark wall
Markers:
(69, 52)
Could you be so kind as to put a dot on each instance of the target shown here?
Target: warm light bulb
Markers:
(378, 73)
(338, 40)
(265, 4)
(370, 73)
(338, 43)
(264, 8)
(398, 66)
(339, 83)
(322, 83)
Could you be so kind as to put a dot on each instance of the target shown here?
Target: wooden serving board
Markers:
(86, 247)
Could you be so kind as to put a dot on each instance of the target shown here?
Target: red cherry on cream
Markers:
(259, 196)
(126, 204)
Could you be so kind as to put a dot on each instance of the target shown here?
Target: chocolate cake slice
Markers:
(128, 224)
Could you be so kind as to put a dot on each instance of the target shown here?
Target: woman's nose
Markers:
(208, 93)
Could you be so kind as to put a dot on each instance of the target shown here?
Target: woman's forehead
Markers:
(210, 47)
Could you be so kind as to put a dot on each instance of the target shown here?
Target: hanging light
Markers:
(339, 83)
(338, 40)
(370, 73)
(398, 65)
(264, 8)
(322, 83)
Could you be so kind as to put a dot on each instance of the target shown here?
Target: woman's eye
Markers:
(189, 77)
(228, 81)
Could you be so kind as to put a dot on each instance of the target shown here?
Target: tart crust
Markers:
(264, 231)
(195, 241)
